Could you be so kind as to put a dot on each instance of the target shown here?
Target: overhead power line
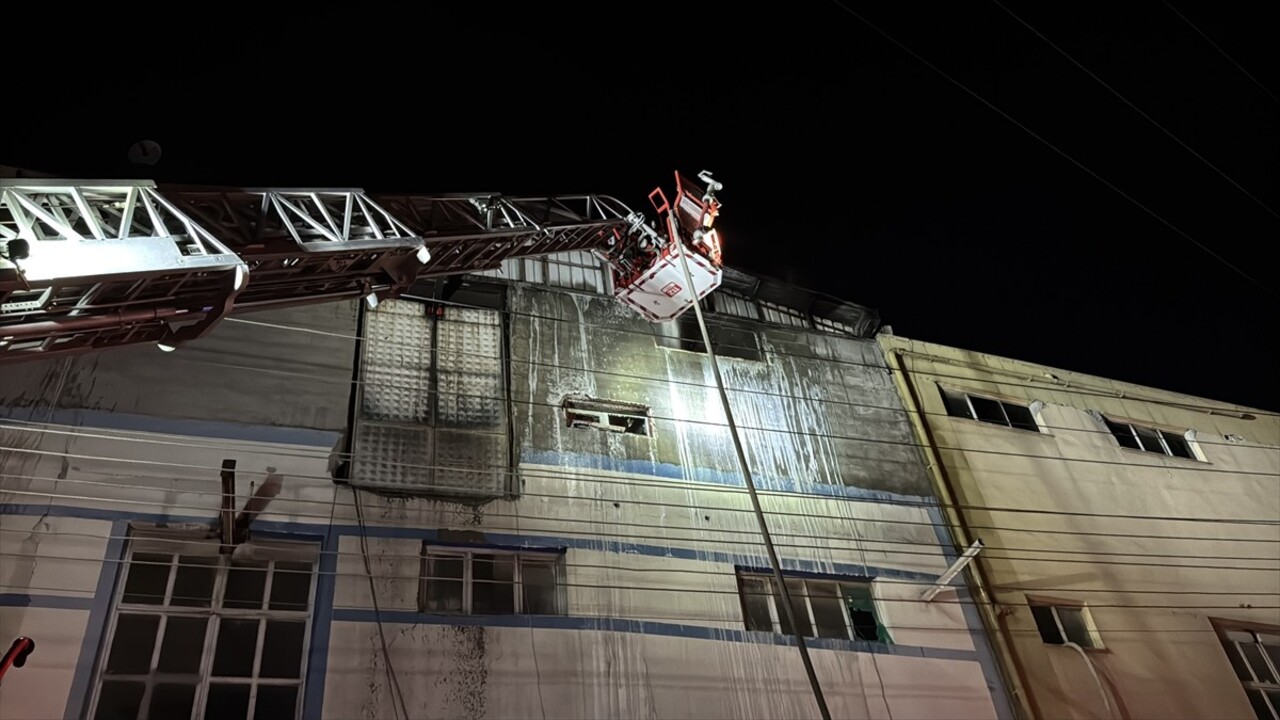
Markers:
(1069, 389)
(668, 538)
(1138, 110)
(709, 590)
(1222, 52)
(901, 502)
(1059, 151)
(706, 534)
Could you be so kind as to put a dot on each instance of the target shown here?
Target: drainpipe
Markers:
(1024, 705)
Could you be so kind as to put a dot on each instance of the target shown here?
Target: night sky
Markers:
(849, 166)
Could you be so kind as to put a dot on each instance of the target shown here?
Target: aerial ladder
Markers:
(93, 265)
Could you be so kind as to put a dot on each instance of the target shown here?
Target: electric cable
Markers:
(1059, 151)
(736, 592)
(1137, 109)
(727, 619)
(1222, 52)
(392, 679)
(1073, 389)
(1191, 464)
(735, 542)
(525, 473)
(836, 498)
(625, 539)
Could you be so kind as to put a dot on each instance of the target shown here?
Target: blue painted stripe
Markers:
(103, 419)
(500, 539)
(328, 439)
(647, 627)
(321, 627)
(630, 548)
(81, 682)
(57, 602)
(671, 471)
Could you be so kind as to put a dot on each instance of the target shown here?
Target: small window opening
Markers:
(607, 415)
(1060, 624)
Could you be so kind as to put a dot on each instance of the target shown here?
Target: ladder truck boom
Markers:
(92, 265)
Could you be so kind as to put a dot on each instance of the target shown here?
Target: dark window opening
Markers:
(607, 415)
(1254, 653)
(1149, 439)
(462, 582)
(822, 608)
(1060, 624)
(728, 340)
(988, 410)
(243, 622)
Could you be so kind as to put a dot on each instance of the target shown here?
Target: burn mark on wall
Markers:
(465, 684)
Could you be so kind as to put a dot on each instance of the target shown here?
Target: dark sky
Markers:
(849, 166)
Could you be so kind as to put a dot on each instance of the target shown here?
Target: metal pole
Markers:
(751, 485)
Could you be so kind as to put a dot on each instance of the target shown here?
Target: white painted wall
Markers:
(585, 673)
(1084, 541)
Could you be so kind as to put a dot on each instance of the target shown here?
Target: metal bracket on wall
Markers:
(945, 578)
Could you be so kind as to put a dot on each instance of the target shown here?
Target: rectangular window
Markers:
(823, 608)
(433, 412)
(683, 333)
(1155, 440)
(997, 412)
(727, 303)
(1254, 653)
(834, 326)
(195, 634)
(1060, 624)
(490, 582)
(608, 415)
(783, 315)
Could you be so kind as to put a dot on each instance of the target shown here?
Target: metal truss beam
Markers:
(118, 263)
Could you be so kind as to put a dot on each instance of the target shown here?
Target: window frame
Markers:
(178, 545)
(679, 341)
(555, 557)
(484, 296)
(948, 393)
(1114, 425)
(604, 411)
(1221, 627)
(776, 616)
(1054, 605)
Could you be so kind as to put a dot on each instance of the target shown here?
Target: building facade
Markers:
(1131, 566)
(513, 498)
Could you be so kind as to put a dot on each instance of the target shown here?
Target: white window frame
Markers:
(776, 615)
(1256, 685)
(1187, 436)
(555, 559)
(177, 545)
(1095, 639)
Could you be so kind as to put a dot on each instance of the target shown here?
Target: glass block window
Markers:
(433, 399)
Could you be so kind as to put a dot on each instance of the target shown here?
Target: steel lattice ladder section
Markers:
(112, 263)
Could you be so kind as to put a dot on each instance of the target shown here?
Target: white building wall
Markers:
(652, 627)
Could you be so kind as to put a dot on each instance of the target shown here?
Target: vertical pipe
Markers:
(674, 237)
(1024, 705)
